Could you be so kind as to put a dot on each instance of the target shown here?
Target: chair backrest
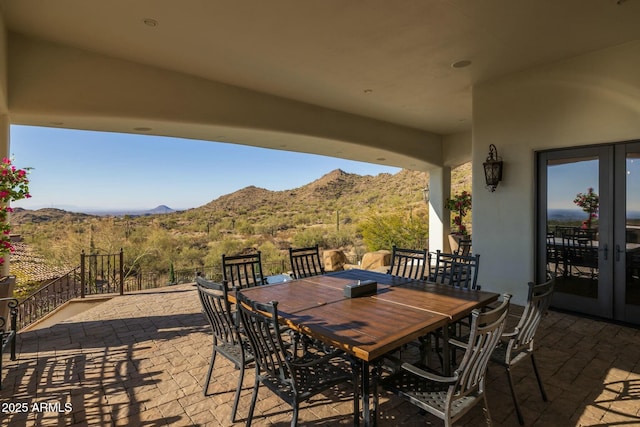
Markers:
(410, 263)
(464, 247)
(260, 324)
(580, 248)
(537, 304)
(460, 271)
(562, 230)
(217, 309)
(485, 332)
(305, 262)
(243, 271)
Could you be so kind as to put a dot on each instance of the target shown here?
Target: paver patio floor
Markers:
(141, 359)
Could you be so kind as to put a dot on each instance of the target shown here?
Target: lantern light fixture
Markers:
(493, 168)
(425, 194)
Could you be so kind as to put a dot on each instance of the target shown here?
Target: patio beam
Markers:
(55, 85)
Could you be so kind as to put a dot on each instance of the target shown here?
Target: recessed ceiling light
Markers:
(381, 159)
(142, 129)
(461, 64)
(367, 91)
(150, 22)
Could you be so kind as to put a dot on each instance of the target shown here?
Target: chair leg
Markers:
(535, 370)
(515, 399)
(237, 398)
(208, 379)
(485, 409)
(254, 397)
(294, 419)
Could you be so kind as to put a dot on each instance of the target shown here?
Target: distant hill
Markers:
(23, 216)
(162, 209)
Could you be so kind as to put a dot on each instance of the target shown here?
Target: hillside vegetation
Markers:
(340, 210)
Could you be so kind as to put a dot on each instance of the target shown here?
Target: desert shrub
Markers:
(346, 236)
(309, 237)
(384, 231)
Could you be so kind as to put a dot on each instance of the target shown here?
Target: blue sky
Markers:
(84, 171)
(569, 179)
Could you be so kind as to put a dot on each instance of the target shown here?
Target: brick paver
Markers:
(141, 359)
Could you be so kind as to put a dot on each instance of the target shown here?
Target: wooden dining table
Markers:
(400, 311)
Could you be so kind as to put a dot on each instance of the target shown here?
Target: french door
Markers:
(589, 228)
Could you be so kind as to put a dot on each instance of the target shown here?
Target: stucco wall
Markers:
(590, 99)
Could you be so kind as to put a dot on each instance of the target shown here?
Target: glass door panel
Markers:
(573, 228)
(628, 233)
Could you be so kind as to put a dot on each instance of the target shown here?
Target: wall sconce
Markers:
(425, 194)
(493, 168)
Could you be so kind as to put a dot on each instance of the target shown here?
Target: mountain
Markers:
(162, 209)
(335, 189)
(352, 195)
(23, 216)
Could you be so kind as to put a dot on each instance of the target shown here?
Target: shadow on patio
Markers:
(141, 359)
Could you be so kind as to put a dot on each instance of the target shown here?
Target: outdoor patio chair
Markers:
(464, 247)
(554, 252)
(517, 345)
(581, 250)
(293, 376)
(305, 262)
(449, 398)
(8, 329)
(410, 263)
(460, 271)
(227, 340)
(243, 271)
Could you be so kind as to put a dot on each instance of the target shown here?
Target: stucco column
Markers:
(439, 224)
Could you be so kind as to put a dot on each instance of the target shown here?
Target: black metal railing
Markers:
(103, 274)
(49, 297)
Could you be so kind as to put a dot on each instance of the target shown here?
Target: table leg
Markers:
(446, 352)
(366, 393)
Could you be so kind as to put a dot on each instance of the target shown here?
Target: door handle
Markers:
(618, 252)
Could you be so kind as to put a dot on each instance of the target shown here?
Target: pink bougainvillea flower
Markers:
(14, 186)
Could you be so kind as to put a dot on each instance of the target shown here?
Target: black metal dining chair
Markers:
(517, 344)
(459, 271)
(464, 247)
(410, 263)
(305, 262)
(292, 375)
(227, 340)
(451, 397)
(243, 271)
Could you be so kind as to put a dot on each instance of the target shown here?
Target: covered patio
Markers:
(426, 85)
(141, 359)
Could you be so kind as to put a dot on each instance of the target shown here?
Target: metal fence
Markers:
(103, 274)
(49, 297)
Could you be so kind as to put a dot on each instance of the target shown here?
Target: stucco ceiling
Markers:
(390, 61)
